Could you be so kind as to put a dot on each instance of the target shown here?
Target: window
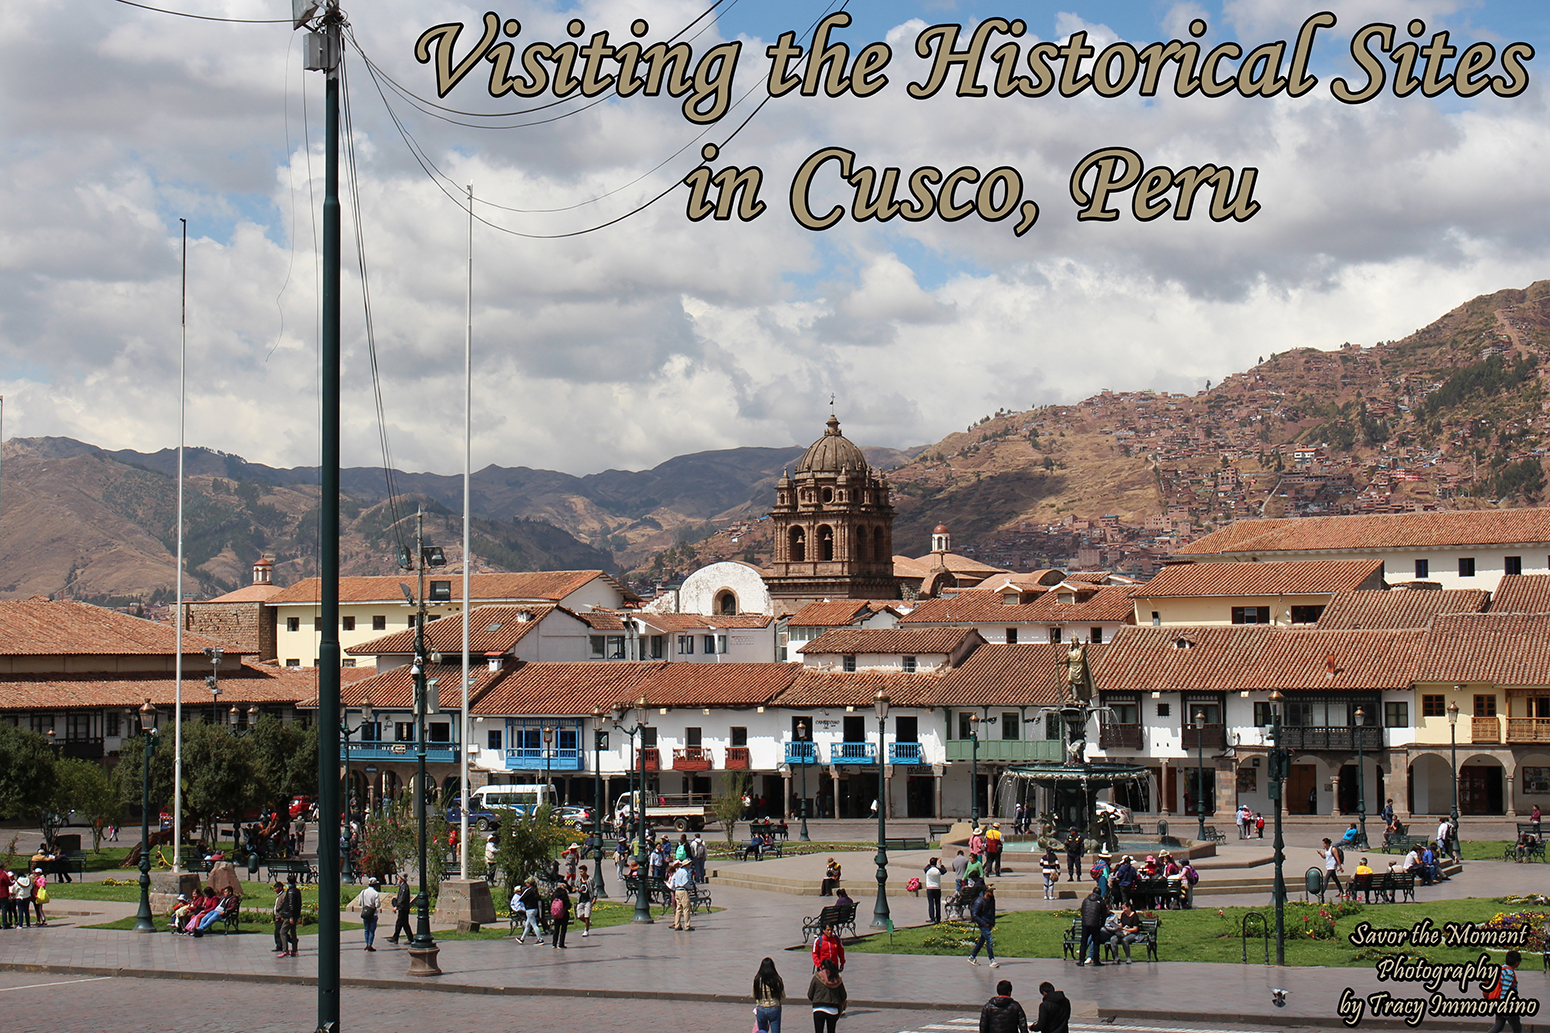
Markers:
(1054, 634)
(1536, 780)
(1261, 715)
(293, 662)
(1423, 569)
(317, 624)
(346, 623)
(1209, 706)
(648, 738)
(1485, 706)
(441, 591)
(826, 542)
(1011, 724)
(78, 726)
(347, 662)
(1163, 709)
(1434, 706)
(293, 624)
(493, 739)
(371, 731)
(1306, 614)
(1126, 711)
(796, 545)
(114, 717)
(657, 647)
(906, 729)
(965, 724)
(726, 603)
(403, 731)
(1512, 565)
(595, 647)
(1156, 619)
(685, 645)
(1095, 635)
(1396, 715)
(1011, 636)
(1466, 566)
(379, 622)
(710, 644)
(42, 723)
(848, 662)
(411, 620)
(1251, 615)
(438, 731)
(909, 665)
(738, 736)
(692, 737)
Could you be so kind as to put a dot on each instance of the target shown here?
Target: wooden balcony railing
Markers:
(691, 758)
(1214, 736)
(1112, 736)
(1528, 729)
(737, 758)
(1331, 737)
(650, 760)
(1485, 729)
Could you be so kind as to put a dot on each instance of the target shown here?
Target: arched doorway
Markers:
(1482, 786)
(826, 543)
(796, 545)
(1431, 784)
(726, 602)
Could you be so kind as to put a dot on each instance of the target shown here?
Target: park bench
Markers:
(656, 890)
(291, 866)
(71, 863)
(1132, 829)
(907, 843)
(231, 921)
(759, 853)
(936, 830)
(1149, 927)
(1213, 835)
(1400, 840)
(835, 916)
(1533, 851)
(769, 828)
(1146, 894)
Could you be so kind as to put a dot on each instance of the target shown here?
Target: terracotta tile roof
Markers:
(713, 685)
(1402, 608)
(815, 689)
(915, 641)
(973, 607)
(922, 566)
(836, 613)
(1313, 577)
(491, 630)
(394, 689)
(248, 594)
(675, 622)
(1383, 531)
(569, 689)
(1522, 593)
(1257, 657)
(252, 683)
(1504, 648)
(537, 586)
(39, 627)
(1109, 603)
(996, 674)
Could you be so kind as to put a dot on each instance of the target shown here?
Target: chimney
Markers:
(263, 571)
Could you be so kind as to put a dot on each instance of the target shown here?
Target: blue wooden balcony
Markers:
(532, 759)
(801, 753)
(853, 753)
(435, 752)
(906, 753)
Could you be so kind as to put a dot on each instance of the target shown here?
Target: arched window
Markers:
(797, 545)
(826, 542)
(879, 545)
(861, 545)
(828, 494)
(726, 602)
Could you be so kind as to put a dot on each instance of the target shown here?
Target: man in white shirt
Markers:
(934, 892)
(679, 882)
(1444, 833)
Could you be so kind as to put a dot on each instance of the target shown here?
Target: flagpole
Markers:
(177, 676)
(468, 426)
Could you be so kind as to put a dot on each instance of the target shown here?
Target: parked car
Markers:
(299, 805)
(1120, 815)
(575, 817)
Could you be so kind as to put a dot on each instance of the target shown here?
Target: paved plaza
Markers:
(647, 978)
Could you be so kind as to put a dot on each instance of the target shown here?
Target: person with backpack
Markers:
(1506, 987)
(1334, 864)
(984, 915)
(527, 898)
(559, 915)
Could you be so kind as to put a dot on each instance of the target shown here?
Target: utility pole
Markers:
(324, 52)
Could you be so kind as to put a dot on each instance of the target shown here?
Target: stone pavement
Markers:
(714, 964)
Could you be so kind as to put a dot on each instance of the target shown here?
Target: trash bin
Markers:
(1313, 882)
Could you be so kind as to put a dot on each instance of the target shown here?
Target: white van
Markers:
(490, 800)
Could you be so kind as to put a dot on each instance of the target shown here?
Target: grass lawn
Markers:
(248, 926)
(1207, 934)
(254, 894)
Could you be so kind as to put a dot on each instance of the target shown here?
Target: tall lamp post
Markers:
(1200, 776)
(642, 882)
(880, 919)
(1361, 778)
(143, 921)
(802, 748)
(345, 867)
(599, 744)
(1278, 765)
(548, 778)
(1453, 757)
(214, 655)
(974, 770)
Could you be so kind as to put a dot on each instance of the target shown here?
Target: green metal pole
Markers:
(328, 561)
(642, 891)
(880, 917)
(143, 921)
(802, 760)
(1277, 775)
(422, 939)
(598, 890)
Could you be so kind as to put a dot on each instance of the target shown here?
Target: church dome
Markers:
(832, 453)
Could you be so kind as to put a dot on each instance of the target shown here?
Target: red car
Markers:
(299, 805)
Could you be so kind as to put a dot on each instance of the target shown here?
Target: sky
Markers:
(658, 335)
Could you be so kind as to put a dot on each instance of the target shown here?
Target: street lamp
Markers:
(345, 866)
(880, 919)
(1361, 778)
(974, 770)
(424, 705)
(1278, 759)
(802, 749)
(1200, 776)
(1453, 756)
(599, 744)
(642, 881)
(214, 655)
(143, 922)
(548, 778)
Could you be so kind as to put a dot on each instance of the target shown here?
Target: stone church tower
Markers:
(833, 528)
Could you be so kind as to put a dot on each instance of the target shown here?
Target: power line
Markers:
(206, 17)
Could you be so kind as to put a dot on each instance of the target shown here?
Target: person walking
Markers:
(1093, 912)
(292, 917)
(369, 900)
(984, 915)
(933, 875)
(769, 990)
(1506, 987)
(559, 915)
(1002, 1013)
(828, 948)
(528, 899)
(960, 865)
(826, 992)
(679, 883)
(1054, 1011)
(584, 901)
(279, 917)
(39, 894)
(1334, 864)
(402, 901)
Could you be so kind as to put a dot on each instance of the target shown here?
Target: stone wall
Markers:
(249, 625)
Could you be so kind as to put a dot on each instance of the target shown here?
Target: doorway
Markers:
(1302, 789)
(920, 796)
(1480, 790)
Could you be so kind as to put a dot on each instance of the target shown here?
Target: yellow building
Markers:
(1249, 593)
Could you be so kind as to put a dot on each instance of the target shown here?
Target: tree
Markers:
(287, 759)
(220, 773)
(87, 788)
(26, 777)
(729, 806)
(528, 843)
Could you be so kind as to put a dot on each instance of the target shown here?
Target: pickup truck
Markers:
(685, 813)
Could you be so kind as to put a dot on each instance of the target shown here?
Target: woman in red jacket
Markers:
(828, 946)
